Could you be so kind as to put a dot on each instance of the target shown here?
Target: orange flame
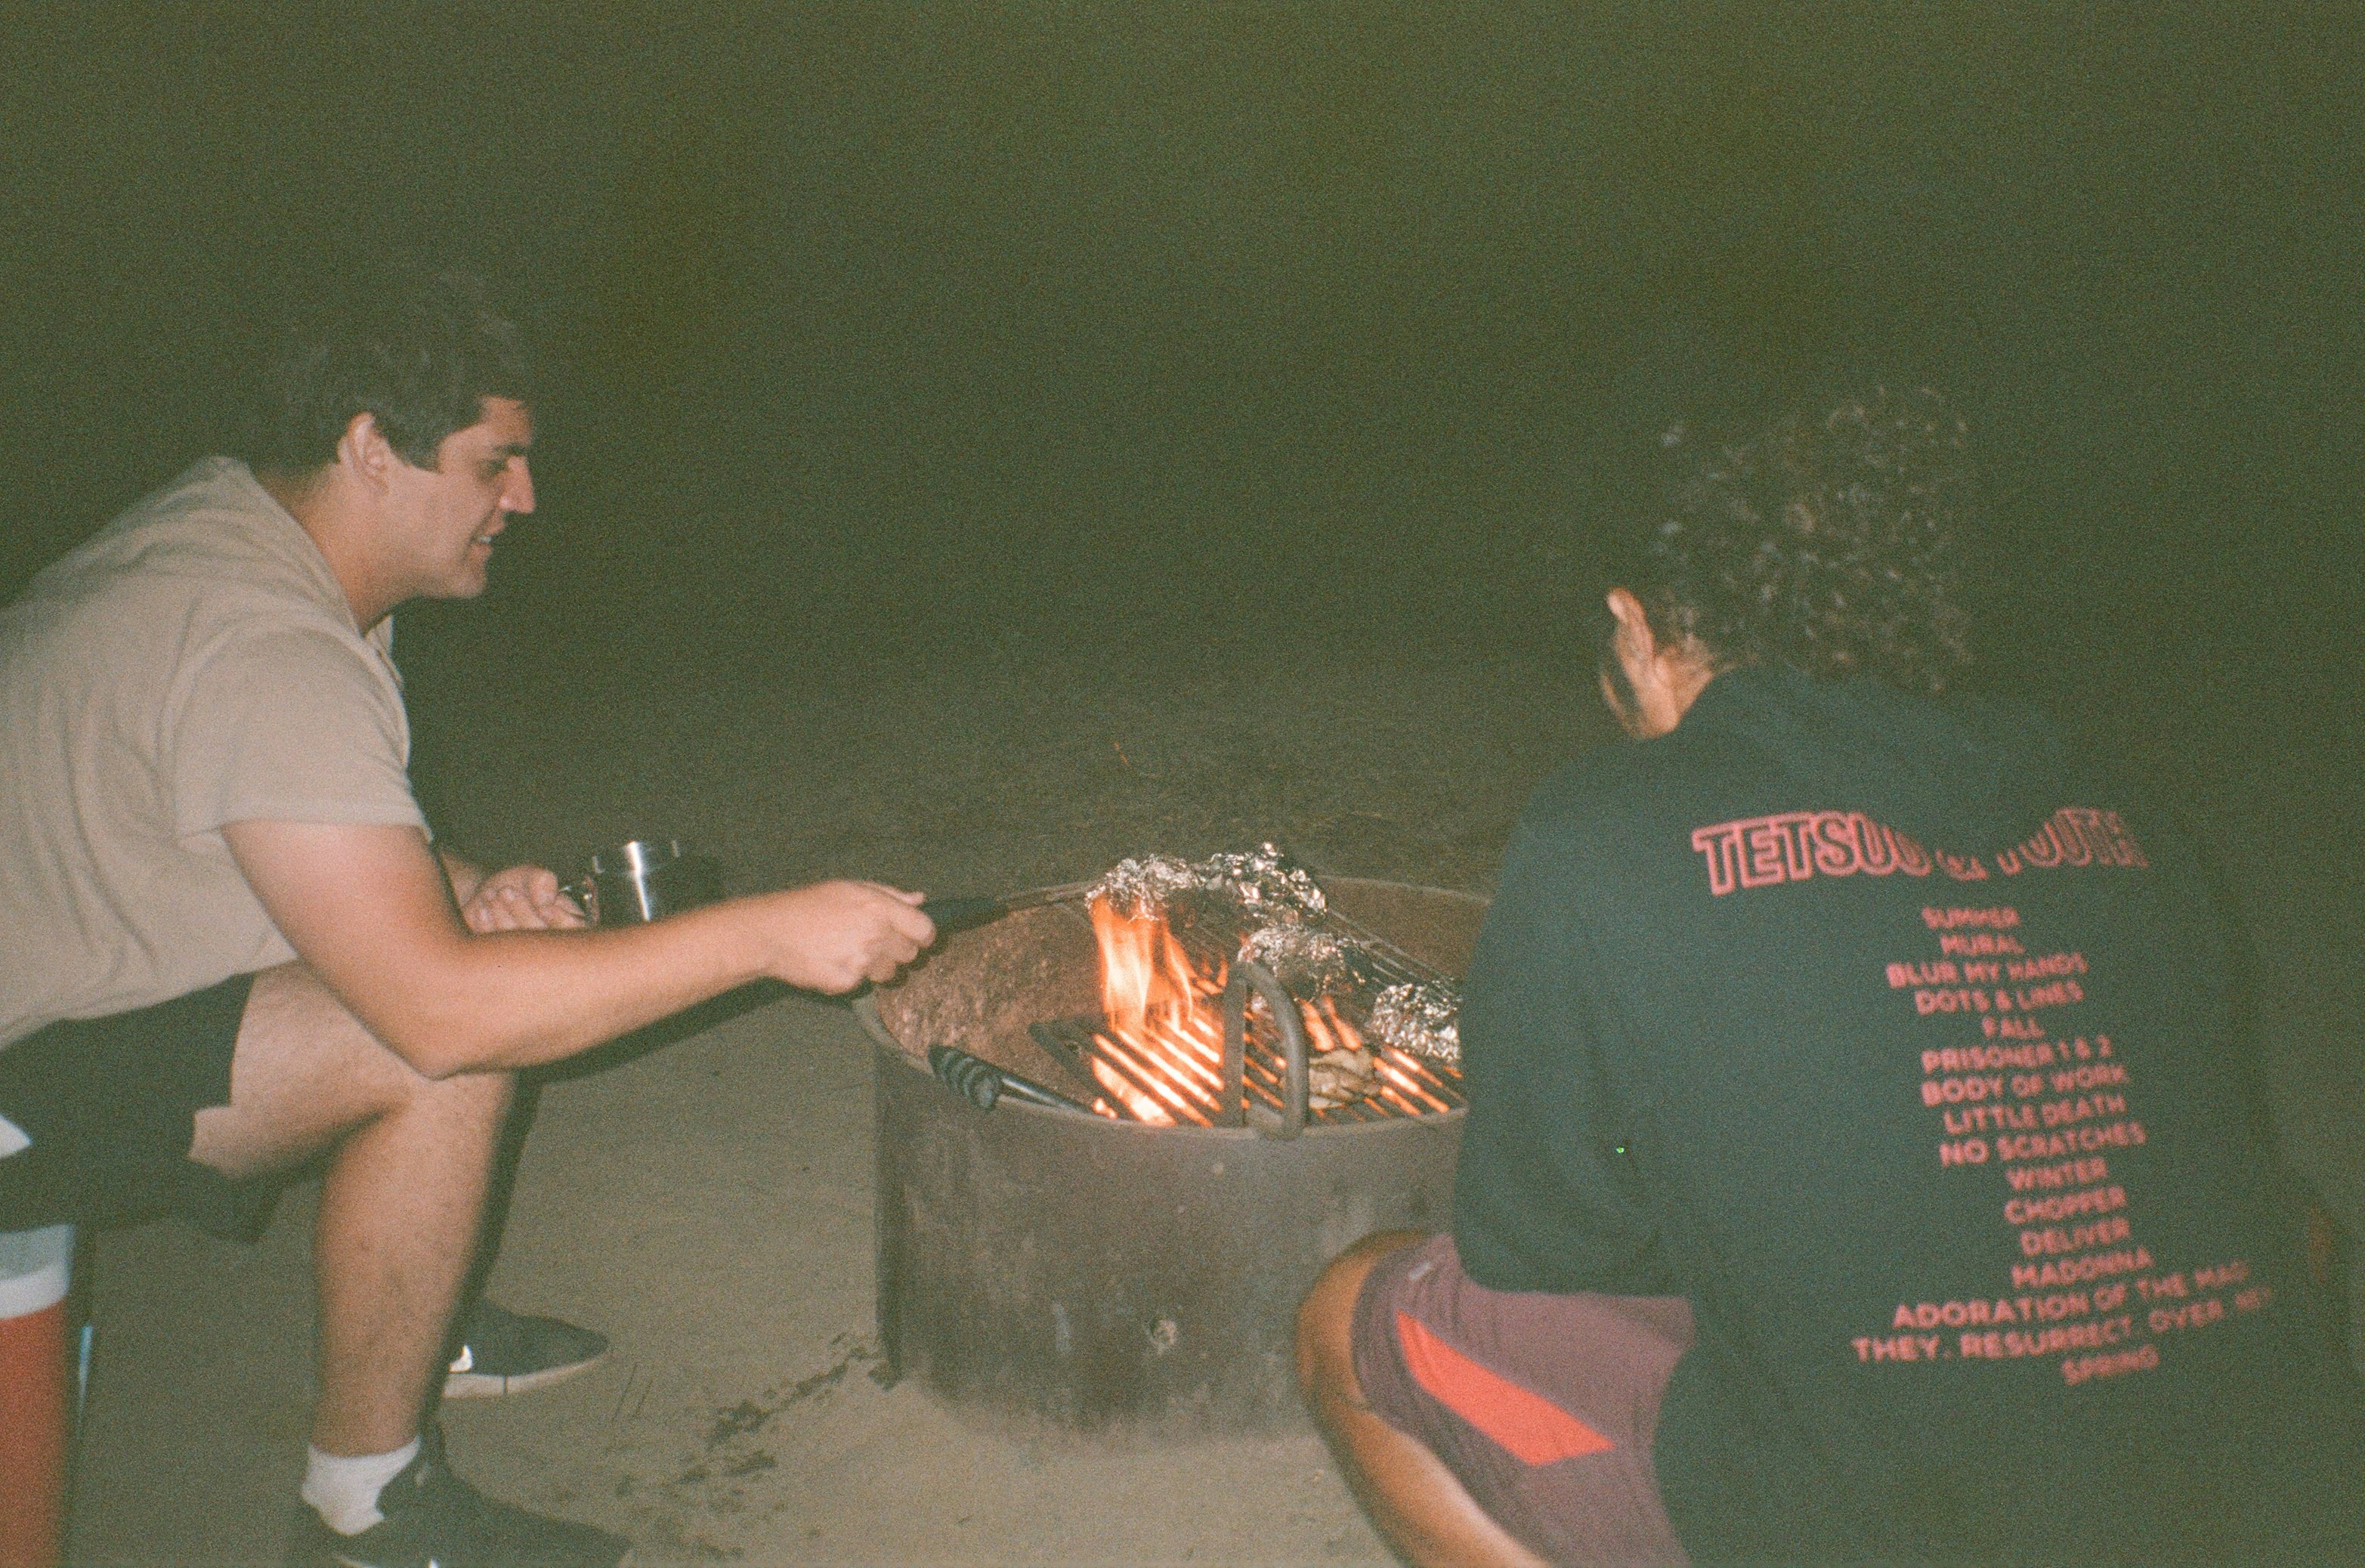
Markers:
(1143, 969)
(1157, 1005)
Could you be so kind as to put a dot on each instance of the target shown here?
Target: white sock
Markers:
(344, 1491)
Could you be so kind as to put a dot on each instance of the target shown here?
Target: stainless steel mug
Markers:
(644, 879)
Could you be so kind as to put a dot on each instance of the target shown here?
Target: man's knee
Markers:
(306, 1072)
(467, 1096)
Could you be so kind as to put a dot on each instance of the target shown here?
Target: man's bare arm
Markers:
(463, 874)
(367, 908)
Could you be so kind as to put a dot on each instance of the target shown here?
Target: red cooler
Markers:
(34, 1394)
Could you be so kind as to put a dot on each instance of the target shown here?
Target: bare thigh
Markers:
(304, 1073)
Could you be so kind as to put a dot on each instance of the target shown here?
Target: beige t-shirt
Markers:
(194, 664)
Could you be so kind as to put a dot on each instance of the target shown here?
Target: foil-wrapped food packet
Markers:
(1418, 1019)
(1134, 888)
(1311, 963)
(1263, 885)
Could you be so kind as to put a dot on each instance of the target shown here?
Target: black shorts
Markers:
(111, 1106)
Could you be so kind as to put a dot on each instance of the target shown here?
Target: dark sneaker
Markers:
(434, 1520)
(504, 1352)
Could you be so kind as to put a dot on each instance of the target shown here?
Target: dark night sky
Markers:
(959, 317)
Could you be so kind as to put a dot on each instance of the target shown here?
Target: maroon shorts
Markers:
(1544, 1405)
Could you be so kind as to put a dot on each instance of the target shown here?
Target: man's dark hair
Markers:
(1830, 542)
(419, 349)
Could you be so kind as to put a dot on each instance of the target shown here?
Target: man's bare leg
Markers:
(401, 1204)
(1412, 1498)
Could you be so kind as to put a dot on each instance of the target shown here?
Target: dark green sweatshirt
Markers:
(1911, 1054)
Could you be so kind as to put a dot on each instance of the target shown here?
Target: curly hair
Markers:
(1832, 544)
(416, 348)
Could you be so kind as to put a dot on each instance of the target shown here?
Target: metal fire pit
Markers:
(1052, 1272)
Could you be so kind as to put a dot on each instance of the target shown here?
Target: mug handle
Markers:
(585, 893)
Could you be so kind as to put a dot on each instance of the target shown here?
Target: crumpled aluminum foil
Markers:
(1419, 1019)
(1134, 888)
(1264, 884)
(1309, 962)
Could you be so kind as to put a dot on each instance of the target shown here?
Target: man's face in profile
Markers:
(447, 516)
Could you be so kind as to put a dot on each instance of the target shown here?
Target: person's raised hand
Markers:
(520, 898)
(832, 936)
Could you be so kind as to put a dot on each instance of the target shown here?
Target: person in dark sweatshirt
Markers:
(1866, 1155)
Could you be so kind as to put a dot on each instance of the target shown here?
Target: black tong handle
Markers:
(954, 915)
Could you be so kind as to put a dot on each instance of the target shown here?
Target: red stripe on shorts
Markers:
(1534, 1429)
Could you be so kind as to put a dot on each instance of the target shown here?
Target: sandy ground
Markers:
(709, 1204)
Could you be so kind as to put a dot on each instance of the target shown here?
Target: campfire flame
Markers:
(1160, 1017)
(1160, 1051)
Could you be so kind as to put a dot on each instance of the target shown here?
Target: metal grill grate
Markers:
(1182, 1075)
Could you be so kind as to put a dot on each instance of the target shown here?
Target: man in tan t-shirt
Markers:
(231, 945)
